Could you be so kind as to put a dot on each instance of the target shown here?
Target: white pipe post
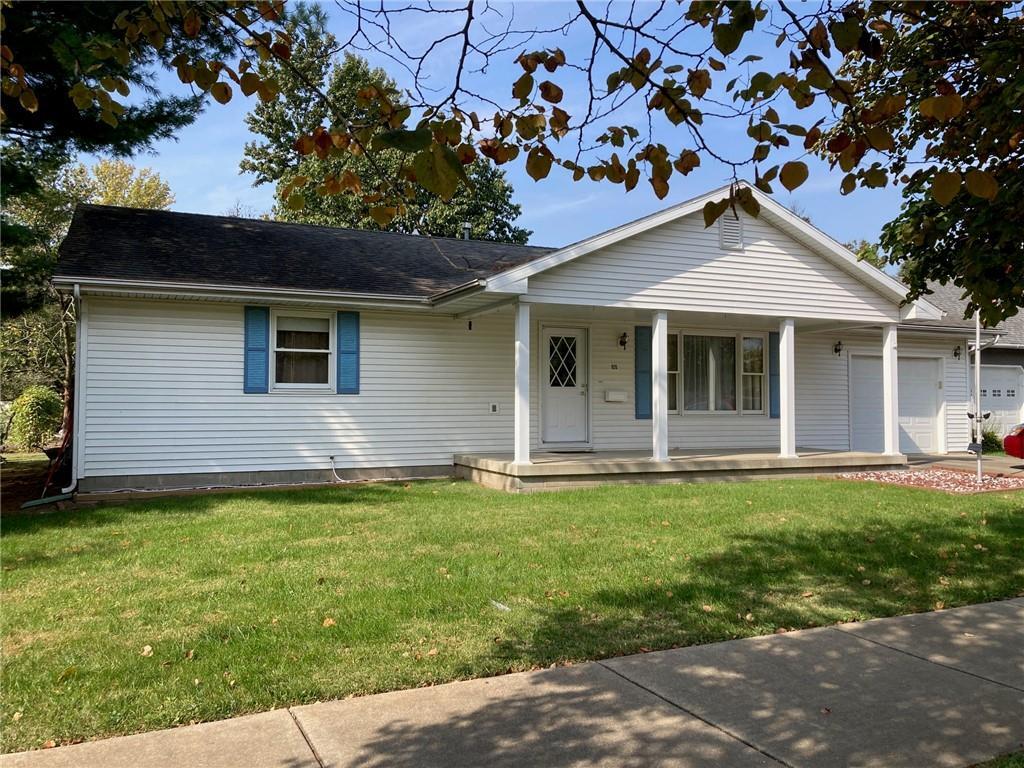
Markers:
(978, 417)
(659, 381)
(521, 454)
(787, 389)
(890, 391)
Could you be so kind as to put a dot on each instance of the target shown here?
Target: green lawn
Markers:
(146, 615)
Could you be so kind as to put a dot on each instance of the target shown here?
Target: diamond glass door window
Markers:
(562, 361)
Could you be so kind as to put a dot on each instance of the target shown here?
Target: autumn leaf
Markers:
(945, 185)
(147, 650)
(28, 100)
(329, 622)
(981, 184)
(550, 92)
(713, 210)
(221, 92)
(793, 174)
(660, 186)
(538, 164)
(383, 215)
(523, 86)
(250, 83)
(942, 108)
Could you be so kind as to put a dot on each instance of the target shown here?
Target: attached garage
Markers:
(920, 402)
(1002, 394)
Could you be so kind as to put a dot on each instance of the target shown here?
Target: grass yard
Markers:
(152, 614)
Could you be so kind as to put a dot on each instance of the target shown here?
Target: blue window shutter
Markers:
(348, 353)
(642, 370)
(257, 350)
(773, 375)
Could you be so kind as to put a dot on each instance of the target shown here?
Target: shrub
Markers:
(36, 417)
(991, 442)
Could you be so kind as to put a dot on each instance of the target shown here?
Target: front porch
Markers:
(553, 471)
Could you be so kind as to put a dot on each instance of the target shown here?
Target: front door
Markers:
(563, 373)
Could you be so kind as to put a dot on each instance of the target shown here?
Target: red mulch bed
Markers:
(948, 480)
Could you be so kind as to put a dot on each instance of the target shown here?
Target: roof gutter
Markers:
(237, 292)
(457, 292)
(946, 330)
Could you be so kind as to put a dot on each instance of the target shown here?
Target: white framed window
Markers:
(717, 372)
(752, 371)
(673, 373)
(303, 351)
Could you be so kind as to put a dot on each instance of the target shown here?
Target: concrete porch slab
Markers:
(984, 640)
(552, 471)
(571, 716)
(823, 698)
(266, 740)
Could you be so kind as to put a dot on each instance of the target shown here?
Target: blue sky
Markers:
(202, 164)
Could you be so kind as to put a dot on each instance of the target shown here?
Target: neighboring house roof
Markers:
(166, 246)
(949, 299)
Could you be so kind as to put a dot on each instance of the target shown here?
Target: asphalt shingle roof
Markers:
(947, 298)
(136, 244)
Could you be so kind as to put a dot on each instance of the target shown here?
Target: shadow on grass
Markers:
(128, 511)
(788, 579)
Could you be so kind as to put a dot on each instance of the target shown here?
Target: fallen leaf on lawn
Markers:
(49, 744)
(147, 650)
(329, 622)
(866, 582)
(781, 630)
(807, 594)
(190, 654)
(861, 569)
(939, 605)
(67, 674)
(707, 608)
(432, 652)
(749, 617)
(668, 594)
(16, 716)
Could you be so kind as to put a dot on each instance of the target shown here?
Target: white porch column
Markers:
(787, 388)
(521, 453)
(890, 391)
(659, 384)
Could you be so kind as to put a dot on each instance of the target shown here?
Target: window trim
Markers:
(763, 374)
(738, 336)
(331, 352)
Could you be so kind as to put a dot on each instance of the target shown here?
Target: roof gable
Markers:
(772, 212)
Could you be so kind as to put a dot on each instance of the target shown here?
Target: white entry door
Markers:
(563, 375)
(919, 402)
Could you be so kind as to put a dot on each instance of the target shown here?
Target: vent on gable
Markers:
(730, 231)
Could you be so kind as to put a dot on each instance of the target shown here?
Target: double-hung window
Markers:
(303, 351)
(752, 383)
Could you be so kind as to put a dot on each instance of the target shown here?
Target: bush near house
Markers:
(991, 442)
(35, 418)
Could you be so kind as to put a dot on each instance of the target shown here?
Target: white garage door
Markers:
(919, 404)
(1002, 393)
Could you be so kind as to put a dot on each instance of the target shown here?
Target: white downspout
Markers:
(76, 395)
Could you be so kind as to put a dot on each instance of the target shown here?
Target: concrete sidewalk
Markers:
(934, 689)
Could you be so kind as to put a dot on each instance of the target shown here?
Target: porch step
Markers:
(556, 471)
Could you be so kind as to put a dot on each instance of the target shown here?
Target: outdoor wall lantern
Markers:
(623, 339)
(838, 348)
(957, 351)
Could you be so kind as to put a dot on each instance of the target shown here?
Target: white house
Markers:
(214, 350)
(1002, 361)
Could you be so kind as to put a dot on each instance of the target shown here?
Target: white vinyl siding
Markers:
(682, 266)
(164, 394)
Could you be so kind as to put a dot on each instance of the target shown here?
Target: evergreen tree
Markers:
(488, 207)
